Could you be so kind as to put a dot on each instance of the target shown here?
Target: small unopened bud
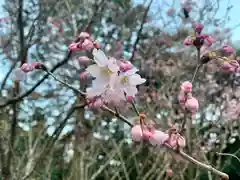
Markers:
(192, 105)
(198, 28)
(169, 172)
(83, 60)
(97, 45)
(85, 75)
(130, 98)
(126, 65)
(186, 86)
(87, 44)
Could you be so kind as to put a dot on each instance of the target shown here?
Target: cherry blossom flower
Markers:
(155, 138)
(198, 27)
(158, 138)
(28, 67)
(186, 87)
(192, 104)
(112, 84)
(83, 60)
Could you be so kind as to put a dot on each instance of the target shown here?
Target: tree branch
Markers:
(140, 30)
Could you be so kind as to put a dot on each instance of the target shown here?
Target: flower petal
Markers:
(99, 57)
(131, 71)
(94, 70)
(136, 79)
(131, 91)
(112, 65)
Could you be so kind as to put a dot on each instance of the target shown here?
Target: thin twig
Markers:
(228, 154)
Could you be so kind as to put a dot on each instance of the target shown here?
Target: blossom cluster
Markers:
(147, 132)
(115, 80)
(198, 39)
(186, 99)
(85, 43)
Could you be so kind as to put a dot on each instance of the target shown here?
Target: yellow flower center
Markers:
(106, 71)
(212, 54)
(124, 80)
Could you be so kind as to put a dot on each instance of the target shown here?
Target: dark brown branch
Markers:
(140, 31)
(22, 58)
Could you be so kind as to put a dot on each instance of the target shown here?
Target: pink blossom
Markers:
(83, 60)
(87, 44)
(158, 138)
(188, 41)
(229, 67)
(96, 103)
(182, 98)
(125, 65)
(176, 141)
(84, 35)
(234, 63)
(28, 67)
(97, 45)
(186, 87)
(85, 75)
(209, 40)
(139, 134)
(75, 46)
(171, 12)
(130, 98)
(198, 28)
(136, 132)
(192, 105)
(229, 49)
(169, 172)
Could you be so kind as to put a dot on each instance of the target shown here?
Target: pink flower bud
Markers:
(188, 41)
(85, 75)
(75, 47)
(27, 67)
(96, 104)
(169, 172)
(139, 134)
(186, 87)
(234, 63)
(130, 98)
(125, 65)
(83, 60)
(227, 67)
(192, 105)
(181, 98)
(158, 138)
(229, 49)
(198, 28)
(97, 45)
(209, 40)
(87, 44)
(136, 133)
(84, 35)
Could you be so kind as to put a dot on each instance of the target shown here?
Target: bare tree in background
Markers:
(47, 131)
